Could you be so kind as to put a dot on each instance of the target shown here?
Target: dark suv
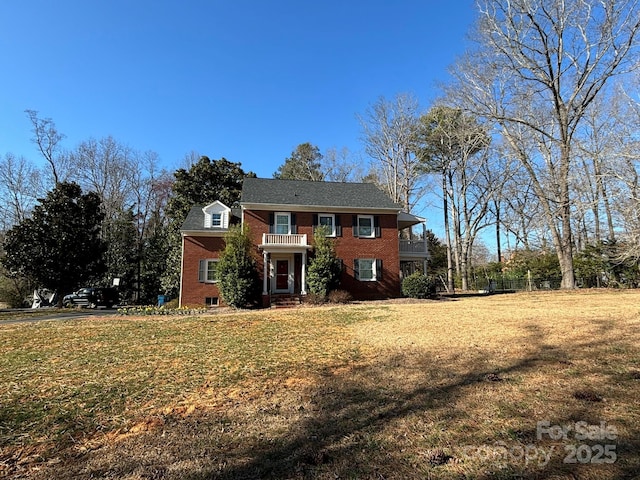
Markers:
(92, 297)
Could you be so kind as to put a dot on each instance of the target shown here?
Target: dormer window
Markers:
(216, 216)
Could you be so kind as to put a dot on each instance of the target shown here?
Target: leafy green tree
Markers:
(604, 265)
(324, 270)
(204, 182)
(237, 271)
(305, 163)
(59, 246)
(540, 263)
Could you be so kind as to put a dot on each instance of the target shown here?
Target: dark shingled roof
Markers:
(194, 220)
(322, 194)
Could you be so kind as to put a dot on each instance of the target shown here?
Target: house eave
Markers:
(316, 208)
(210, 232)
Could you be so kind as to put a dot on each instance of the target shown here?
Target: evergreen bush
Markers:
(237, 272)
(418, 285)
(324, 270)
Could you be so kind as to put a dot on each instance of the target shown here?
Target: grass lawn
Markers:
(541, 385)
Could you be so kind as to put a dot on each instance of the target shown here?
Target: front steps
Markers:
(285, 301)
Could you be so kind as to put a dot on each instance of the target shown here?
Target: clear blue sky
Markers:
(247, 80)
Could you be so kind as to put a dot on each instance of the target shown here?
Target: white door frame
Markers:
(290, 277)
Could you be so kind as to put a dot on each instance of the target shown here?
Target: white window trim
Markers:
(332, 233)
(203, 270)
(275, 222)
(373, 228)
(374, 273)
(221, 219)
(216, 208)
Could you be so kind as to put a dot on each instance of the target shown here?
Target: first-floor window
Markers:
(367, 269)
(208, 271)
(211, 301)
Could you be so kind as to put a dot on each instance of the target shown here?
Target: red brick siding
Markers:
(348, 248)
(384, 248)
(196, 249)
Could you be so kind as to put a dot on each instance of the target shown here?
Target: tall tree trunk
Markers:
(496, 203)
(565, 252)
(447, 231)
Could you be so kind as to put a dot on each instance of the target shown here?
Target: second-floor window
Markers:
(283, 223)
(366, 226)
(328, 221)
(216, 220)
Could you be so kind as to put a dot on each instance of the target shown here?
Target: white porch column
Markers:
(265, 272)
(303, 283)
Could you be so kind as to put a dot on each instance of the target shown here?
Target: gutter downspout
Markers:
(181, 268)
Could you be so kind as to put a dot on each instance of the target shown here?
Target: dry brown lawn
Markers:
(446, 389)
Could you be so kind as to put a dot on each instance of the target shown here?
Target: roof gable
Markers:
(265, 191)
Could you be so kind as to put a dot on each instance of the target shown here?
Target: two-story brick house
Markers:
(281, 216)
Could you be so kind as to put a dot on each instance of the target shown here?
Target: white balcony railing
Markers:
(284, 239)
(413, 246)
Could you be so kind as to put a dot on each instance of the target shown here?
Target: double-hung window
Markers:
(283, 223)
(365, 226)
(367, 269)
(208, 271)
(216, 220)
(328, 221)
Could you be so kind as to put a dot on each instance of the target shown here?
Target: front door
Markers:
(282, 275)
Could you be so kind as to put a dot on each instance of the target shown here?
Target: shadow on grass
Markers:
(385, 418)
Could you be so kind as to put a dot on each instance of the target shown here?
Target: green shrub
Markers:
(418, 285)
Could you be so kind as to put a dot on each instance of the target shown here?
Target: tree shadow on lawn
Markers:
(388, 418)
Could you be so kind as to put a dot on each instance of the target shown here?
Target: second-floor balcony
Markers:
(413, 248)
(281, 240)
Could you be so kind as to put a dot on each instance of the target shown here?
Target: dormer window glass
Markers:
(216, 220)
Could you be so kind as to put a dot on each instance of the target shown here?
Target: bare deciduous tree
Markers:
(19, 190)
(47, 139)
(540, 66)
(341, 166)
(389, 129)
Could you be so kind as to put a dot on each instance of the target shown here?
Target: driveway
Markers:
(24, 315)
